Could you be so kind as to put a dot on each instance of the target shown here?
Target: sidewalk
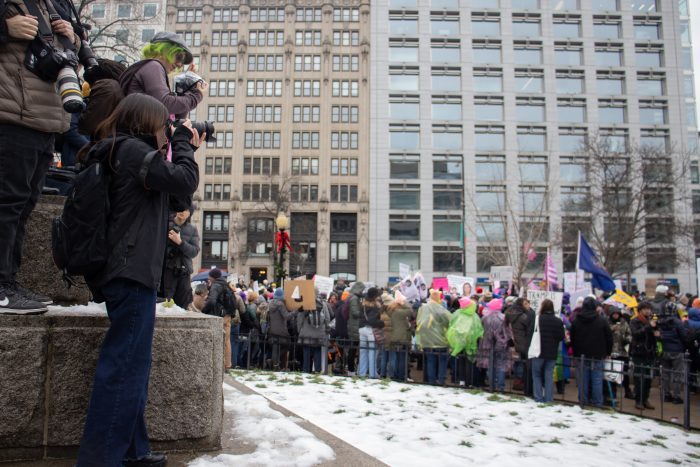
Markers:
(345, 454)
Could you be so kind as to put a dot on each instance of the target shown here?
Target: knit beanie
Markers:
(215, 273)
(279, 293)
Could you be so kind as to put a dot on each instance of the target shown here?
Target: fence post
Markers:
(686, 392)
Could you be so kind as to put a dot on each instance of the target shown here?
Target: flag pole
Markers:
(578, 253)
(546, 271)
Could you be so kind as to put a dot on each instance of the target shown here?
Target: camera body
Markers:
(186, 81)
(201, 127)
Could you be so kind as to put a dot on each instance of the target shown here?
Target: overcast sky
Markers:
(695, 29)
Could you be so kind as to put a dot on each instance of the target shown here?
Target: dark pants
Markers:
(25, 157)
(352, 355)
(436, 365)
(115, 427)
(397, 357)
(177, 287)
(643, 376)
(312, 352)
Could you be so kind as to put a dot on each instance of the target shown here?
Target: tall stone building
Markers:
(289, 95)
(478, 112)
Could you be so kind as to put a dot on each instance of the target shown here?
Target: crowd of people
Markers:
(480, 338)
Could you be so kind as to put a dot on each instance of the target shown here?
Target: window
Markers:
(612, 111)
(398, 4)
(265, 38)
(305, 166)
(344, 166)
(215, 250)
(402, 25)
(574, 199)
(261, 165)
(186, 15)
(490, 168)
(404, 51)
(224, 139)
(610, 83)
(150, 10)
(262, 139)
(225, 15)
(570, 82)
(217, 192)
(526, 4)
(308, 15)
(604, 5)
(263, 113)
(533, 169)
(224, 38)
(403, 108)
(344, 113)
(490, 199)
(489, 138)
(98, 10)
(217, 165)
(307, 88)
(305, 140)
(123, 10)
(532, 139)
(446, 108)
(446, 79)
(483, 25)
(447, 24)
(346, 14)
(264, 88)
(447, 137)
(259, 192)
(531, 81)
(649, 57)
(647, 30)
(223, 63)
(445, 51)
(308, 37)
(525, 53)
(348, 62)
(606, 29)
(346, 38)
(344, 140)
(571, 140)
(409, 255)
(222, 88)
(526, 26)
(343, 193)
(568, 54)
(403, 168)
(651, 84)
(447, 167)
(653, 112)
(532, 199)
(486, 52)
(221, 113)
(488, 109)
(122, 36)
(306, 113)
(447, 259)
(572, 170)
(345, 88)
(216, 222)
(565, 27)
(147, 34)
(661, 260)
(404, 137)
(654, 139)
(404, 196)
(565, 5)
(265, 62)
(303, 193)
(486, 80)
(490, 229)
(264, 15)
(404, 227)
(608, 55)
(307, 63)
(571, 110)
(448, 197)
(403, 79)
(530, 110)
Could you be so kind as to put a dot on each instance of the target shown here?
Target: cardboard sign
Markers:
(299, 295)
(460, 285)
(536, 297)
(404, 270)
(501, 274)
(323, 284)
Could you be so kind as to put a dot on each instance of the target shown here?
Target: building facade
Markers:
(478, 113)
(289, 96)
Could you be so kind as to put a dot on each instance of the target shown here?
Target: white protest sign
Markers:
(501, 274)
(618, 284)
(574, 281)
(536, 297)
(323, 284)
(404, 270)
(613, 370)
(584, 292)
(460, 285)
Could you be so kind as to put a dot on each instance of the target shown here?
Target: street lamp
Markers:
(282, 246)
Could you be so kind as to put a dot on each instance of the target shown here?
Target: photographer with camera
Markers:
(183, 246)
(33, 60)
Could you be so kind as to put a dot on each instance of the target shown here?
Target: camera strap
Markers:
(44, 29)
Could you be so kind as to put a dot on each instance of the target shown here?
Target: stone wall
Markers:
(47, 364)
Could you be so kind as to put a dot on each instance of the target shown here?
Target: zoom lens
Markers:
(69, 90)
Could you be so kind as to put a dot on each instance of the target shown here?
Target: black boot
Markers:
(153, 459)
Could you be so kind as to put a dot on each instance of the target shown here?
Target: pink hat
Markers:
(464, 302)
(495, 305)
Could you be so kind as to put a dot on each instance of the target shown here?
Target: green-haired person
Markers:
(165, 53)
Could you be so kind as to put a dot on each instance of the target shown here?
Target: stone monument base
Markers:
(47, 364)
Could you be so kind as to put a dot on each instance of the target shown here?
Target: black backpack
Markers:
(79, 236)
(228, 302)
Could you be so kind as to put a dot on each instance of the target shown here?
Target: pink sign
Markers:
(441, 283)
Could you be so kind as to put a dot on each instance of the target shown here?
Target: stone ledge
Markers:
(48, 363)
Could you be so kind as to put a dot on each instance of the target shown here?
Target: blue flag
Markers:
(588, 261)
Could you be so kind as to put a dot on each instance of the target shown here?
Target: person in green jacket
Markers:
(463, 335)
(400, 314)
(431, 329)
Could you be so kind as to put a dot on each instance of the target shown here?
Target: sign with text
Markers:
(501, 274)
(404, 270)
(536, 297)
(323, 284)
(460, 285)
(299, 295)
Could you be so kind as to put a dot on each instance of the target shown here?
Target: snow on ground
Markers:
(93, 307)
(278, 440)
(407, 425)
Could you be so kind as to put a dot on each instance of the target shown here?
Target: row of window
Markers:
(257, 15)
(300, 113)
(641, 6)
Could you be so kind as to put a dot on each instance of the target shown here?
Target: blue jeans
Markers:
(592, 376)
(398, 363)
(543, 372)
(235, 345)
(115, 427)
(433, 358)
(368, 353)
(384, 363)
(312, 351)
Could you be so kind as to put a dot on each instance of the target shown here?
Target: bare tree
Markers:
(115, 25)
(636, 204)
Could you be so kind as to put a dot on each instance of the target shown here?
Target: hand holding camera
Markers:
(63, 28)
(22, 27)
(174, 236)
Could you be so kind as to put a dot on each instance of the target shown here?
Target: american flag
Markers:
(550, 271)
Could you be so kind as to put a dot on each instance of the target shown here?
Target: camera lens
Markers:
(207, 126)
(69, 90)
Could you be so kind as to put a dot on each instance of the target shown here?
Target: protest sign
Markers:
(299, 294)
(441, 283)
(404, 270)
(535, 297)
(501, 274)
(323, 284)
(460, 285)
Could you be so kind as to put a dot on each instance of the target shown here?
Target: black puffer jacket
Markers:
(370, 314)
(673, 334)
(278, 315)
(520, 321)
(217, 299)
(643, 340)
(590, 335)
(185, 252)
(551, 335)
(139, 214)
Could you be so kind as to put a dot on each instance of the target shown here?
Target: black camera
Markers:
(201, 127)
(87, 57)
(186, 81)
(175, 228)
(53, 65)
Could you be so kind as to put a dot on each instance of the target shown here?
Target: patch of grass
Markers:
(297, 382)
(482, 432)
(692, 443)
(495, 398)
(655, 436)
(368, 400)
(588, 443)
(588, 413)
(261, 385)
(406, 389)
(655, 442)
(692, 455)
(559, 425)
(514, 440)
(467, 444)
(446, 425)
(459, 406)
(272, 378)
(285, 380)
(389, 438)
(612, 432)
(385, 382)
(424, 438)
(516, 398)
(370, 413)
(474, 391)
(339, 411)
(548, 441)
(513, 414)
(673, 461)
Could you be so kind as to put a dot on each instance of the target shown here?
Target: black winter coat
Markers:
(216, 300)
(591, 336)
(371, 315)
(520, 321)
(138, 221)
(183, 253)
(673, 334)
(643, 340)
(551, 335)
(278, 315)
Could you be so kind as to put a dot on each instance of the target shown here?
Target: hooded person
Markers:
(431, 337)
(463, 333)
(622, 338)
(313, 326)
(401, 314)
(591, 339)
(354, 306)
(279, 317)
(674, 341)
(518, 317)
(495, 341)
(371, 332)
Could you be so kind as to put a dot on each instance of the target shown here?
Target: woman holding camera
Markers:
(143, 188)
(166, 53)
